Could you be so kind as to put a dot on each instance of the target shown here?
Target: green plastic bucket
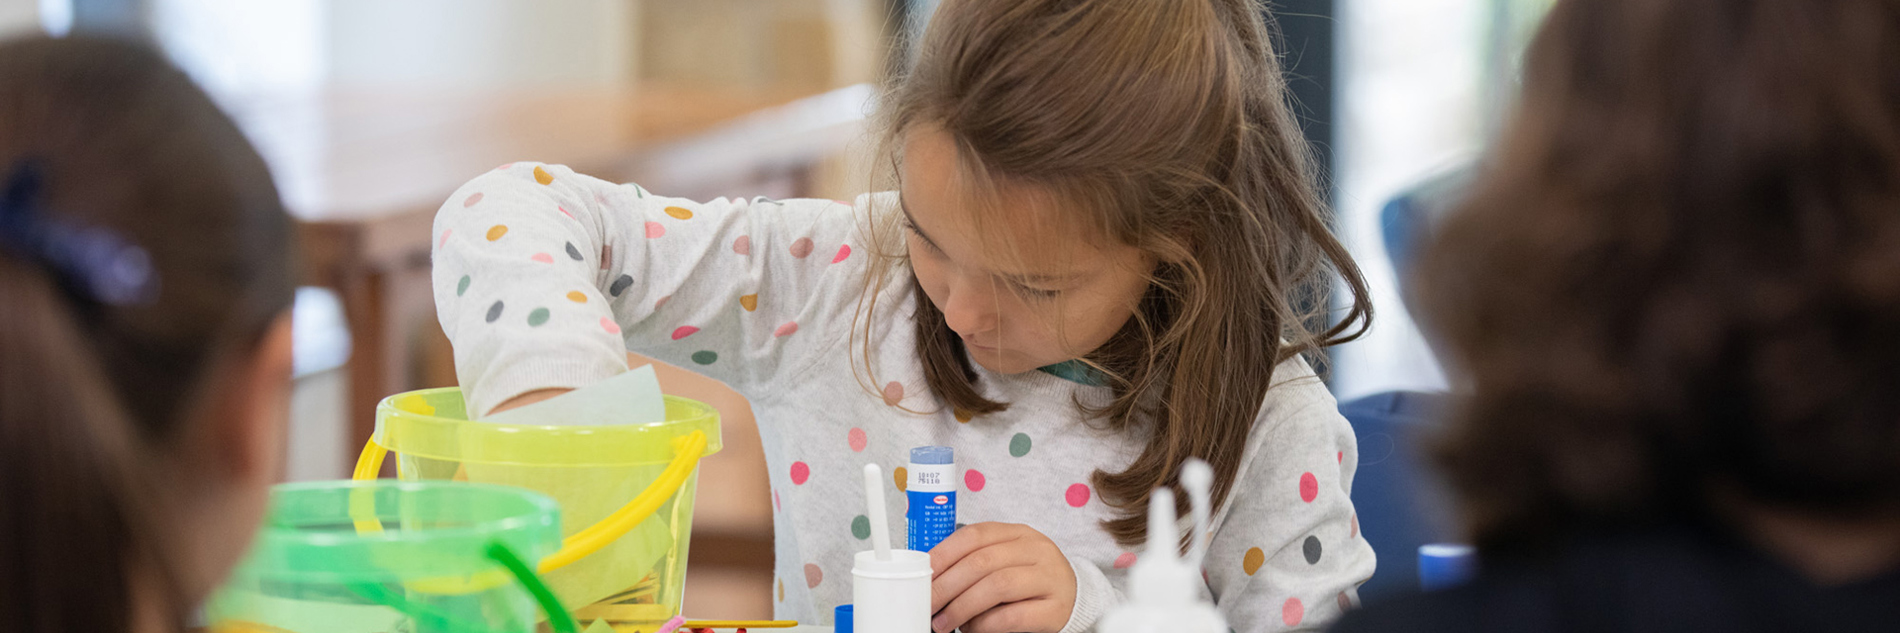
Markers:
(625, 491)
(388, 556)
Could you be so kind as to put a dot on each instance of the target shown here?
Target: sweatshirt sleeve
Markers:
(1286, 552)
(1094, 596)
(545, 278)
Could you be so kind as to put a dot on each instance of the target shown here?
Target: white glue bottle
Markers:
(1164, 589)
(890, 589)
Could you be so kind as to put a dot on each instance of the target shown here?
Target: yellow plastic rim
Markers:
(428, 423)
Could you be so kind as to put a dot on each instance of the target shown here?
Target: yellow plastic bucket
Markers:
(625, 491)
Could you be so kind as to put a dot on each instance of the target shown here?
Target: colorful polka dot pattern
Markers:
(1252, 561)
(1077, 495)
(741, 245)
(1292, 612)
(1309, 487)
(800, 473)
(973, 480)
(813, 576)
(1019, 445)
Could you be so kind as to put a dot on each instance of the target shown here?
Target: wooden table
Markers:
(364, 173)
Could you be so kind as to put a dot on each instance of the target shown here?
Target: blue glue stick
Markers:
(931, 488)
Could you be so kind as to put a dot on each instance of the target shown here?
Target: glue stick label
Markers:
(932, 492)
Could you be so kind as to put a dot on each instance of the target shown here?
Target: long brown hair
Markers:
(1167, 123)
(105, 148)
(1680, 270)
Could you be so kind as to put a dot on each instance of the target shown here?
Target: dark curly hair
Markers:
(1680, 271)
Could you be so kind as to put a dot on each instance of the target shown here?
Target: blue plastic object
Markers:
(1445, 565)
(1400, 504)
(841, 619)
(933, 455)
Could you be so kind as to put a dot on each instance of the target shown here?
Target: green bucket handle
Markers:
(559, 619)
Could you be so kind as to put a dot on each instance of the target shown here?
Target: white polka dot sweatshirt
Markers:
(545, 278)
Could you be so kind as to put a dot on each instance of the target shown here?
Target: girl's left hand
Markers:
(1000, 578)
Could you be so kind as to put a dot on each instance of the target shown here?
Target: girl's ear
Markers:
(250, 407)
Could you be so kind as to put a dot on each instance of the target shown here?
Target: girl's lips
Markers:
(972, 343)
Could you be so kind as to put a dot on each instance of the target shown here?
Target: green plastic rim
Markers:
(446, 433)
(313, 532)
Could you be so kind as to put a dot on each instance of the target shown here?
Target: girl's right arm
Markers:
(545, 278)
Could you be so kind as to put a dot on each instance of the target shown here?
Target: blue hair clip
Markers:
(91, 263)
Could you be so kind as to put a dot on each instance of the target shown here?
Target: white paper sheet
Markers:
(629, 398)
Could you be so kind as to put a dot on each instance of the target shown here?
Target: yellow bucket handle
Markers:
(690, 447)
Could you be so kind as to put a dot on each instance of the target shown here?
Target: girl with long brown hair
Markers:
(145, 286)
(1673, 298)
(1101, 260)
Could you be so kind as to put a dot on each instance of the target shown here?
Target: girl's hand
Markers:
(1000, 578)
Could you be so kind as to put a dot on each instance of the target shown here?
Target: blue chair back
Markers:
(1400, 504)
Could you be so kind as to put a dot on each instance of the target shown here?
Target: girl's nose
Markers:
(970, 308)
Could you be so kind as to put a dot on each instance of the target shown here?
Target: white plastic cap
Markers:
(1198, 478)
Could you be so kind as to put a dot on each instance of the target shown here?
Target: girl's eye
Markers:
(908, 226)
(1037, 293)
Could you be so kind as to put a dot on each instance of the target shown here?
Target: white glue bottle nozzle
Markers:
(874, 508)
(1198, 478)
(1164, 589)
(1160, 578)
